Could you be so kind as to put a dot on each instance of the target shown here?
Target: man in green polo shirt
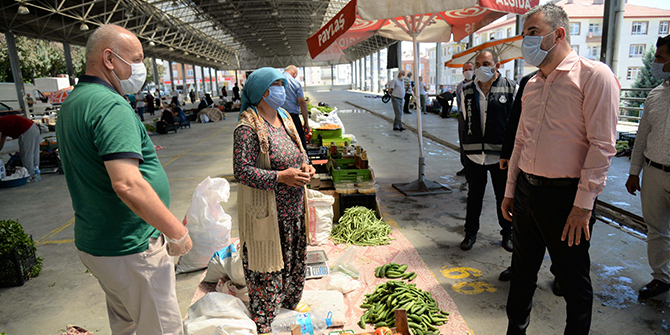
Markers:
(120, 193)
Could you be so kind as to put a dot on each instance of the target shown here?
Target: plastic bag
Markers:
(320, 208)
(218, 314)
(342, 282)
(345, 264)
(204, 118)
(226, 263)
(228, 287)
(207, 223)
(334, 119)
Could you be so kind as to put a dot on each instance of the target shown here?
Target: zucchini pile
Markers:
(423, 313)
(393, 271)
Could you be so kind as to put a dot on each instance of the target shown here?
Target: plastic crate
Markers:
(343, 163)
(15, 267)
(352, 175)
(358, 199)
(327, 133)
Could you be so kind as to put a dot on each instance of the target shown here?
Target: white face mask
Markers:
(468, 74)
(657, 71)
(134, 83)
(485, 73)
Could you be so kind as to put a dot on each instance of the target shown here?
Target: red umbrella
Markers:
(409, 20)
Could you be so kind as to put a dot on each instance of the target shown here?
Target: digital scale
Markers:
(315, 264)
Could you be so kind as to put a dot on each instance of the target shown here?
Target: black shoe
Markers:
(556, 288)
(507, 243)
(461, 173)
(408, 112)
(654, 288)
(396, 128)
(506, 275)
(401, 129)
(468, 242)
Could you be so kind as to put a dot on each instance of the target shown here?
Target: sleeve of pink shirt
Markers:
(601, 108)
(513, 164)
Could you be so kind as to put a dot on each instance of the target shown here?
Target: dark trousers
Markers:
(405, 107)
(477, 176)
(461, 130)
(299, 128)
(540, 214)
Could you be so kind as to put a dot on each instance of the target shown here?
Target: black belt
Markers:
(659, 166)
(548, 182)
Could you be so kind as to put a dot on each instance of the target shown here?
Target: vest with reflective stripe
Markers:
(500, 101)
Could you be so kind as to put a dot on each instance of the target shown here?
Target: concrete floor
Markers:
(65, 294)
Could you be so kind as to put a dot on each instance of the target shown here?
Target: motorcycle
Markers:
(387, 97)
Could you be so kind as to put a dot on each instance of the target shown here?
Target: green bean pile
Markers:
(360, 226)
(423, 313)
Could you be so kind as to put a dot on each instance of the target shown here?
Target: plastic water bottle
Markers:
(309, 323)
(38, 177)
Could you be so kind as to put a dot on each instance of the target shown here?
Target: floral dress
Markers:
(268, 292)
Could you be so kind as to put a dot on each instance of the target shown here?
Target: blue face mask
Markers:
(530, 49)
(657, 71)
(276, 97)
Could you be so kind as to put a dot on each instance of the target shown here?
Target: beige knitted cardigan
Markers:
(257, 209)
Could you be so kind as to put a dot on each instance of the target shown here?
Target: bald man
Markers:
(295, 102)
(120, 193)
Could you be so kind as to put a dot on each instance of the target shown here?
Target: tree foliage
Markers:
(644, 79)
(150, 70)
(39, 58)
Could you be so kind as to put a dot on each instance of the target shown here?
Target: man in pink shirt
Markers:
(562, 152)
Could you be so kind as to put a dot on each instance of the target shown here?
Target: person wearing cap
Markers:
(28, 133)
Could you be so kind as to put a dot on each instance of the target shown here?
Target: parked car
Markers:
(6, 110)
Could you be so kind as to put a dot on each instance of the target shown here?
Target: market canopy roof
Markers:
(224, 34)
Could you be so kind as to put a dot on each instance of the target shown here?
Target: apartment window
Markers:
(175, 73)
(576, 48)
(575, 27)
(189, 73)
(637, 50)
(408, 67)
(509, 32)
(476, 40)
(632, 73)
(663, 27)
(594, 52)
(508, 74)
(595, 29)
(444, 51)
(499, 34)
(492, 36)
(458, 49)
(639, 28)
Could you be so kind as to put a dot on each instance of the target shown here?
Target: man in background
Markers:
(397, 92)
(468, 74)
(295, 103)
(407, 80)
(651, 153)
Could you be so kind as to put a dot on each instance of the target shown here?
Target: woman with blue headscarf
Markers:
(272, 170)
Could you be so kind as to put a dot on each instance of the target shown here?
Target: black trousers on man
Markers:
(540, 214)
(477, 176)
(299, 128)
(405, 107)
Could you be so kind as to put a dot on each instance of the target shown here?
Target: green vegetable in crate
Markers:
(13, 237)
(360, 226)
(423, 313)
(622, 145)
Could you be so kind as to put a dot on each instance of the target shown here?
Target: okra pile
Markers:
(423, 313)
(393, 270)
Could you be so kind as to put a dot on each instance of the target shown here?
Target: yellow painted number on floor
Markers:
(471, 288)
(459, 273)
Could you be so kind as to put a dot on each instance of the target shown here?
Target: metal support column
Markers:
(353, 75)
(360, 74)
(68, 62)
(16, 72)
(183, 75)
(365, 73)
(332, 76)
(171, 70)
(612, 25)
(202, 75)
(212, 79)
(379, 71)
(399, 55)
(439, 66)
(237, 81)
(156, 74)
(518, 63)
